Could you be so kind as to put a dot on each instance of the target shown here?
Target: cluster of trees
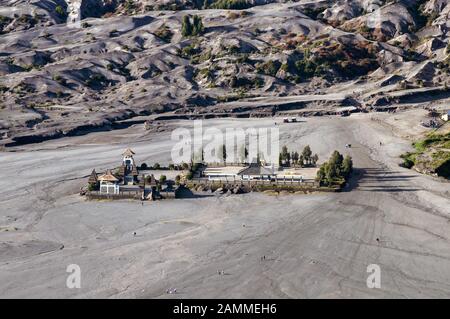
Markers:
(227, 4)
(327, 57)
(306, 158)
(193, 28)
(336, 170)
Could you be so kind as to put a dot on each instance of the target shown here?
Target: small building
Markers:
(128, 171)
(128, 159)
(445, 116)
(109, 184)
(256, 171)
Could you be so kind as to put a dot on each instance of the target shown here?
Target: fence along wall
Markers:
(253, 183)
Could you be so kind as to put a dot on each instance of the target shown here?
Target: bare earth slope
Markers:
(61, 76)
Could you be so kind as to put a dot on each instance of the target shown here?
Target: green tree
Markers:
(330, 173)
(284, 154)
(337, 159)
(162, 179)
(186, 27)
(189, 175)
(197, 25)
(315, 159)
(307, 154)
(320, 177)
(177, 179)
(295, 157)
(347, 166)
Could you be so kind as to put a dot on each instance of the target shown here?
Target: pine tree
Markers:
(347, 166)
(186, 27)
(197, 25)
(307, 154)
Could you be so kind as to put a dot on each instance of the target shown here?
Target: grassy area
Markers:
(431, 155)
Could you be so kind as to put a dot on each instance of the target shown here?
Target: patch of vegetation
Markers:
(325, 57)
(228, 4)
(431, 153)
(164, 33)
(59, 10)
(189, 51)
(58, 78)
(23, 88)
(194, 53)
(4, 21)
(130, 7)
(246, 83)
(270, 67)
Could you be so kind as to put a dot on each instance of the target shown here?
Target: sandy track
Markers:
(315, 245)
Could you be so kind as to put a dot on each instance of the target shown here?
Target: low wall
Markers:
(120, 195)
(255, 185)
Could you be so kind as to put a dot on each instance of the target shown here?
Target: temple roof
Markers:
(255, 169)
(108, 177)
(128, 152)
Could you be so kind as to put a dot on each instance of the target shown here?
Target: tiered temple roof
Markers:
(128, 152)
(108, 177)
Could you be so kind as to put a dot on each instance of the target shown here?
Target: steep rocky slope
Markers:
(69, 66)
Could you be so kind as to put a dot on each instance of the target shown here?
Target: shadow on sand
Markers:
(378, 180)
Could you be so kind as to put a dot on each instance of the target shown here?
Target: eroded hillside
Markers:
(68, 66)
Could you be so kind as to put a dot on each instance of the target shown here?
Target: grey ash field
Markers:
(316, 246)
(84, 91)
